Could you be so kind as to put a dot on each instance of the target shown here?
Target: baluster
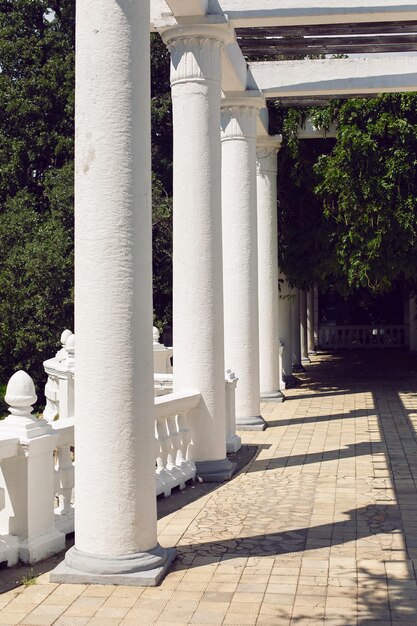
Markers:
(187, 467)
(65, 469)
(51, 410)
(162, 459)
(174, 441)
(185, 437)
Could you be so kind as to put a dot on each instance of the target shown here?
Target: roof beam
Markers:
(334, 77)
(242, 13)
(187, 7)
(324, 30)
(328, 45)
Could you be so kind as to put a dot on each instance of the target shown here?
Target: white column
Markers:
(316, 315)
(412, 329)
(285, 330)
(115, 514)
(310, 321)
(303, 326)
(197, 262)
(266, 160)
(240, 248)
(296, 334)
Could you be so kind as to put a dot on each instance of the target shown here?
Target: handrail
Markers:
(173, 403)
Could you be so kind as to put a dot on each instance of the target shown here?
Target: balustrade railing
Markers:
(173, 436)
(37, 489)
(361, 337)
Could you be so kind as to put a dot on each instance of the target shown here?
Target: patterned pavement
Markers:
(319, 528)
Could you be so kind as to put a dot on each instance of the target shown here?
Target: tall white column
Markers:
(240, 249)
(197, 262)
(266, 161)
(310, 321)
(285, 330)
(316, 315)
(412, 328)
(296, 333)
(303, 326)
(115, 516)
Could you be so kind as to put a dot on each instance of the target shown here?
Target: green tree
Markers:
(348, 208)
(161, 112)
(369, 188)
(36, 180)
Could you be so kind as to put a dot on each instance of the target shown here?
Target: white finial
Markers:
(70, 349)
(70, 344)
(64, 336)
(156, 335)
(20, 394)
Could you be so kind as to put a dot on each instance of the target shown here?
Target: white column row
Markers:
(217, 320)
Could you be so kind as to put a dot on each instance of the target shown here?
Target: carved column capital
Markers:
(266, 154)
(195, 52)
(239, 116)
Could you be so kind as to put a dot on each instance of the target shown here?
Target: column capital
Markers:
(268, 143)
(239, 115)
(267, 148)
(195, 51)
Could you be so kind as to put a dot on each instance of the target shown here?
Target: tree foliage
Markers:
(369, 187)
(348, 207)
(36, 179)
(161, 182)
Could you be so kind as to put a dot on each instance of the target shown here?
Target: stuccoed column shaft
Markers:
(303, 326)
(285, 329)
(296, 335)
(241, 315)
(197, 239)
(115, 514)
(310, 321)
(266, 170)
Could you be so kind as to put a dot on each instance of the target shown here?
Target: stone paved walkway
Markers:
(320, 528)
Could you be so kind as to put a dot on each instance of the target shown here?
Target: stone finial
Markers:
(70, 349)
(62, 355)
(156, 335)
(64, 336)
(21, 394)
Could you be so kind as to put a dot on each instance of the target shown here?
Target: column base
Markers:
(215, 471)
(256, 422)
(143, 569)
(273, 396)
(298, 369)
(291, 382)
(305, 360)
(233, 444)
(312, 352)
(41, 547)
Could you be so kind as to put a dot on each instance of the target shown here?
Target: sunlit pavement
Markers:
(319, 528)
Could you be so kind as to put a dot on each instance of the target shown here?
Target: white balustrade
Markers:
(361, 337)
(162, 356)
(9, 544)
(35, 515)
(59, 389)
(173, 437)
(27, 522)
(59, 394)
(233, 441)
(64, 475)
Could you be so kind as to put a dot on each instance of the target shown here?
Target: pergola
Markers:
(225, 232)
